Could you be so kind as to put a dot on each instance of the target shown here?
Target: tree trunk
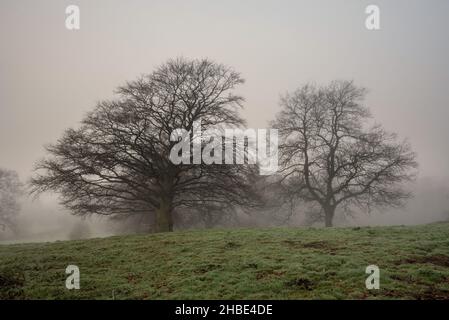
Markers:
(328, 216)
(164, 219)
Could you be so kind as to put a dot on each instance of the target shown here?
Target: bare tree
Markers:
(118, 161)
(10, 190)
(331, 157)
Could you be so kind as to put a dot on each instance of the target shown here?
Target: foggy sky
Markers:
(50, 76)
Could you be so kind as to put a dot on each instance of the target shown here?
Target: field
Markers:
(274, 263)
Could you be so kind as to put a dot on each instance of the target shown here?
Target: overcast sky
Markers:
(50, 76)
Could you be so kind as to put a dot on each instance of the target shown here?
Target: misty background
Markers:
(50, 77)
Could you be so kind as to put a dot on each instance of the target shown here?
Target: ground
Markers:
(274, 263)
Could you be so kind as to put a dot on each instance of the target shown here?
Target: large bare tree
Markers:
(331, 157)
(118, 161)
(10, 191)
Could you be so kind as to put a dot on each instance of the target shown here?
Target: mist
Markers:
(43, 220)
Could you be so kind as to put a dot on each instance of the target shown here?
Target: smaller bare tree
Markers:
(330, 157)
(10, 190)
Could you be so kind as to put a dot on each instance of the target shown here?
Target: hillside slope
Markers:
(276, 263)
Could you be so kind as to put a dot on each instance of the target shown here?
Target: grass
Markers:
(274, 263)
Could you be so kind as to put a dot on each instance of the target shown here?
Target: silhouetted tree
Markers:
(118, 161)
(330, 157)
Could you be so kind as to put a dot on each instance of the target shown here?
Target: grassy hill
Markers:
(275, 263)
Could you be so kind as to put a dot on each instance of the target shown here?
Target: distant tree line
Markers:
(10, 191)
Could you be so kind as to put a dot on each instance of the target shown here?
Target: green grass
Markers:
(275, 263)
